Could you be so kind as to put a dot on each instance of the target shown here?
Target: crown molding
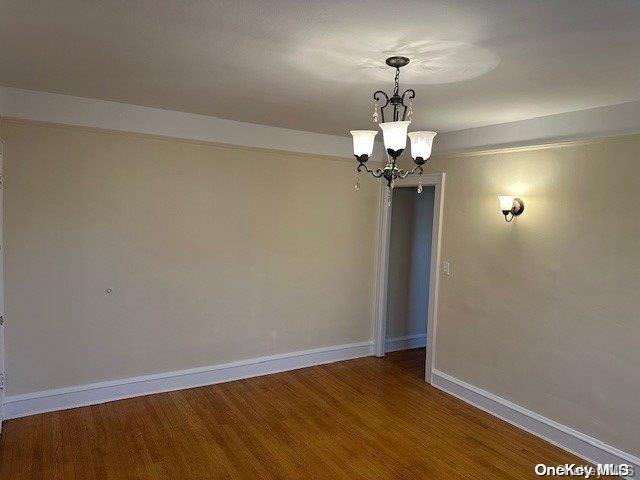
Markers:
(563, 128)
(582, 125)
(85, 112)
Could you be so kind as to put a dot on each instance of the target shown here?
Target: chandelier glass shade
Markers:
(421, 144)
(394, 126)
(394, 135)
(363, 142)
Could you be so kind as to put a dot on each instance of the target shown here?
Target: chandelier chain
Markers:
(397, 82)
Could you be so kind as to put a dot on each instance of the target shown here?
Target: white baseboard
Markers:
(578, 443)
(394, 344)
(77, 396)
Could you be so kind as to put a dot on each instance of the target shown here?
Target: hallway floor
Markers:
(412, 360)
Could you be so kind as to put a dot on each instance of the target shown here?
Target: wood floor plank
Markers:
(363, 419)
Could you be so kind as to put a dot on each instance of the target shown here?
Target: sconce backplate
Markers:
(518, 207)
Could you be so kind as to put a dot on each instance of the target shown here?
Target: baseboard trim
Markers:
(63, 398)
(394, 344)
(578, 443)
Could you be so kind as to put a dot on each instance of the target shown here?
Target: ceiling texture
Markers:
(313, 65)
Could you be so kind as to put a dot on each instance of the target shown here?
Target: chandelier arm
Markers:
(376, 97)
(406, 173)
(411, 96)
(411, 92)
(362, 166)
(376, 173)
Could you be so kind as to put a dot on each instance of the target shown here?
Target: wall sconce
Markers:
(510, 205)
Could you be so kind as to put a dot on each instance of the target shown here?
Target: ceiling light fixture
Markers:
(394, 134)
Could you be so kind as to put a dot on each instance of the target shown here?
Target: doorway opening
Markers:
(408, 273)
(408, 277)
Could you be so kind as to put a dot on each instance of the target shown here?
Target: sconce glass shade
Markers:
(363, 142)
(506, 202)
(421, 143)
(395, 135)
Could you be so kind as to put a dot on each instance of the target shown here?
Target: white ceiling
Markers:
(313, 65)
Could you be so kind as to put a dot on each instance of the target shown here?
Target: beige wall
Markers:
(214, 254)
(545, 311)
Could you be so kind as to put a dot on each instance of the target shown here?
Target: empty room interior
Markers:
(319, 240)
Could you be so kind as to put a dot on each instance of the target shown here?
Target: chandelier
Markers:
(394, 128)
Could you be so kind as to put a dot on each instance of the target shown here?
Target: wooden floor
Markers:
(412, 361)
(367, 419)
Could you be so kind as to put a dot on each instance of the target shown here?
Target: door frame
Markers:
(383, 238)
(2, 301)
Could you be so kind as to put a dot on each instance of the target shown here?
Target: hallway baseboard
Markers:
(394, 344)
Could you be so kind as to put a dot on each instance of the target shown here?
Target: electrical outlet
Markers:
(446, 268)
